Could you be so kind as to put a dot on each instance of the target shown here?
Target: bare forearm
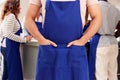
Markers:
(95, 24)
(92, 29)
(32, 28)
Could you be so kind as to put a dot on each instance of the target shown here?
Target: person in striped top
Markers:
(10, 30)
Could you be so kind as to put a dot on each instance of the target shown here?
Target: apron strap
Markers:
(19, 22)
(47, 4)
(2, 39)
(68, 0)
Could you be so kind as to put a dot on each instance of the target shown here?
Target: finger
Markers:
(70, 44)
(53, 44)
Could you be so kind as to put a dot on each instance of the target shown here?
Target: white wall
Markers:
(24, 6)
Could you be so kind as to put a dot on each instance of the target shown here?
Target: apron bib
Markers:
(62, 25)
(14, 67)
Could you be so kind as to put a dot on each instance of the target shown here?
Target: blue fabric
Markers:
(62, 63)
(92, 55)
(14, 67)
(91, 50)
(5, 75)
(39, 26)
(62, 25)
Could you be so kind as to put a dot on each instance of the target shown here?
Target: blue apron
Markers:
(62, 25)
(92, 55)
(91, 50)
(14, 67)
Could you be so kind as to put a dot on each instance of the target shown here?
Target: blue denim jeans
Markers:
(5, 74)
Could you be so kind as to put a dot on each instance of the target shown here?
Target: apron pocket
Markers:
(78, 62)
(62, 63)
(78, 50)
(77, 54)
(46, 55)
(57, 56)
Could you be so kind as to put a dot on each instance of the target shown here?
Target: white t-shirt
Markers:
(110, 16)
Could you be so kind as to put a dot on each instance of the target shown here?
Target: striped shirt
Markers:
(8, 28)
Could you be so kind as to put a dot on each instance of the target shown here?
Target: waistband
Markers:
(106, 35)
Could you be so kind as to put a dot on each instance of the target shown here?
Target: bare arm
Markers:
(95, 24)
(31, 26)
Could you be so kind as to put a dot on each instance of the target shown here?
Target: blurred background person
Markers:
(107, 50)
(10, 30)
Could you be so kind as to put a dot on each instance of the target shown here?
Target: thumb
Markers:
(70, 44)
(53, 44)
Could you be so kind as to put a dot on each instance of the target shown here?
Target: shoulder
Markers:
(113, 9)
(10, 16)
(35, 2)
(91, 2)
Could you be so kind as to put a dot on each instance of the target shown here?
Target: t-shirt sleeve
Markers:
(91, 2)
(35, 2)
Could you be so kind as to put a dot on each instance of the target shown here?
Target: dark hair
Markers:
(12, 6)
(103, 0)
